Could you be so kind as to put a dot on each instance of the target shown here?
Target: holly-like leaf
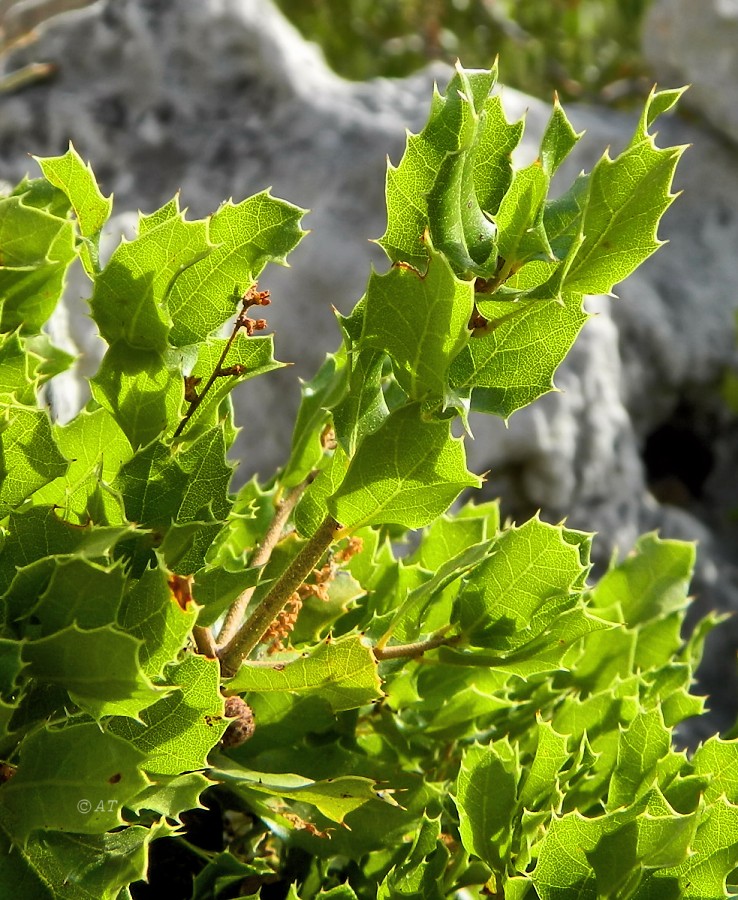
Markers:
(92, 209)
(129, 298)
(99, 668)
(558, 140)
(162, 484)
(79, 591)
(253, 355)
(160, 611)
(426, 330)
(335, 798)
(513, 364)
(71, 779)
(96, 447)
(37, 248)
(177, 733)
(486, 797)
(452, 126)
(626, 198)
(608, 853)
(364, 407)
(171, 797)
(245, 237)
(341, 672)
(408, 472)
(30, 457)
(142, 392)
(319, 394)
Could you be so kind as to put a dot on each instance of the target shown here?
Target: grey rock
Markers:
(221, 98)
(695, 43)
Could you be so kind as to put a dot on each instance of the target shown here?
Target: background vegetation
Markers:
(584, 49)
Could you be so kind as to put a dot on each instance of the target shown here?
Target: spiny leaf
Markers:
(426, 330)
(129, 298)
(92, 209)
(245, 237)
(342, 672)
(30, 457)
(407, 472)
(512, 365)
(140, 390)
(37, 248)
(80, 662)
(71, 779)
(97, 448)
(626, 198)
(159, 610)
(177, 733)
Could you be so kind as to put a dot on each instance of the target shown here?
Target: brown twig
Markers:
(234, 617)
(418, 648)
(204, 641)
(255, 627)
(252, 297)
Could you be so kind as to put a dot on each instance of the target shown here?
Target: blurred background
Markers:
(586, 50)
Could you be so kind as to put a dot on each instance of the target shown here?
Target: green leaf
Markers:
(641, 746)
(486, 797)
(520, 218)
(254, 354)
(37, 248)
(521, 588)
(58, 866)
(341, 672)
(79, 591)
(82, 663)
(142, 392)
(129, 298)
(364, 407)
(97, 448)
(215, 590)
(558, 140)
(245, 237)
(718, 759)
(30, 456)
(408, 472)
(714, 856)
(171, 797)
(16, 376)
(513, 364)
(177, 733)
(423, 332)
(37, 532)
(311, 510)
(650, 584)
(92, 209)
(627, 196)
(158, 610)
(318, 396)
(162, 484)
(496, 140)
(601, 855)
(75, 778)
(451, 126)
(335, 798)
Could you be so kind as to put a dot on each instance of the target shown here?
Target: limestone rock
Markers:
(695, 43)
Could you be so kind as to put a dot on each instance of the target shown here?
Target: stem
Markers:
(399, 651)
(234, 617)
(253, 630)
(204, 641)
(211, 381)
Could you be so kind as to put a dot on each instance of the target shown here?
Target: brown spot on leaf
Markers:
(181, 588)
(114, 779)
